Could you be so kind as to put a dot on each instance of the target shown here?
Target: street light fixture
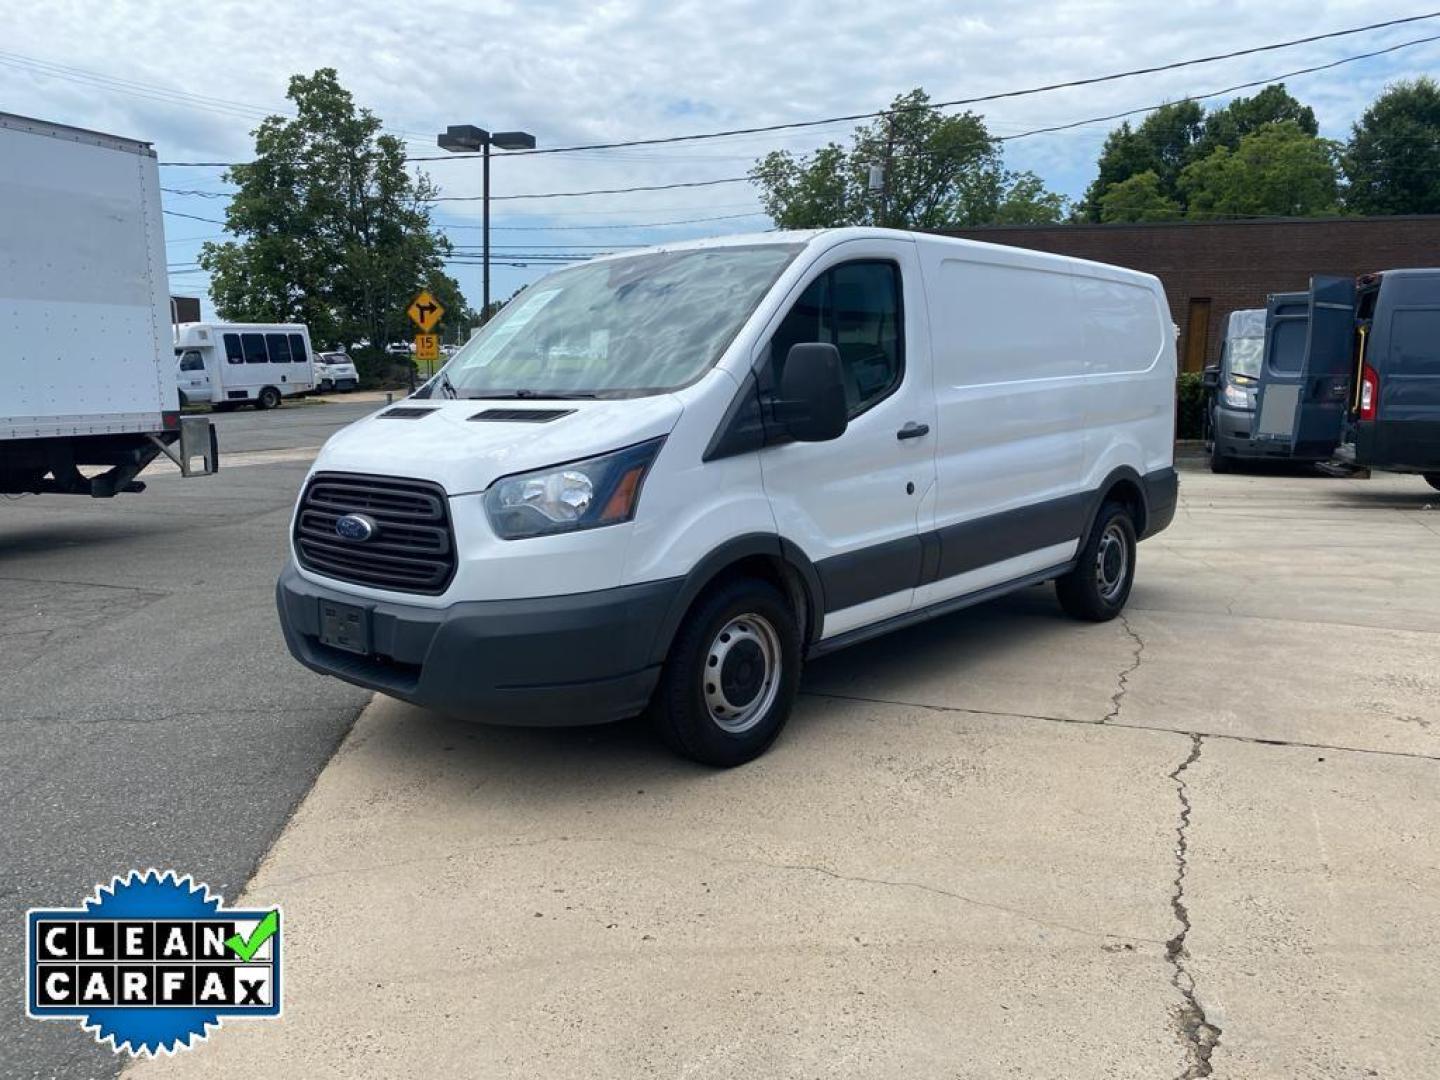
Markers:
(468, 139)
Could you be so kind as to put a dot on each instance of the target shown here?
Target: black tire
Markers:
(688, 710)
(268, 398)
(1096, 590)
(1433, 479)
(1219, 463)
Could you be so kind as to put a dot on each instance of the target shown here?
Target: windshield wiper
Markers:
(533, 395)
(447, 386)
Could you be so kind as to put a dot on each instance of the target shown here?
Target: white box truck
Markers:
(233, 364)
(87, 365)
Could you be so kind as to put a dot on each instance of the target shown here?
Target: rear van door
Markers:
(1305, 377)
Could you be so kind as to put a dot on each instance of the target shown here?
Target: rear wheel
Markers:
(269, 398)
(1099, 585)
(731, 677)
(1433, 479)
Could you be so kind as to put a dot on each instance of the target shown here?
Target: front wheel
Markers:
(731, 677)
(1096, 590)
(1433, 479)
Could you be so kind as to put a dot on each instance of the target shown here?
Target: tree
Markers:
(1392, 162)
(1279, 169)
(1138, 198)
(1227, 125)
(332, 231)
(1164, 143)
(937, 171)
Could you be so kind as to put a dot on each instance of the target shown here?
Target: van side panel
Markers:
(1129, 384)
(1404, 348)
(1011, 423)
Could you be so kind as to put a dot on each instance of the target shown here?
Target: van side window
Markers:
(191, 360)
(232, 349)
(297, 350)
(1415, 341)
(279, 346)
(254, 345)
(856, 308)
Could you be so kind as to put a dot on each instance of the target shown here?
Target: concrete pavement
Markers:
(1199, 841)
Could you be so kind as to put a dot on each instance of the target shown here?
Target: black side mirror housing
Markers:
(812, 404)
(1210, 377)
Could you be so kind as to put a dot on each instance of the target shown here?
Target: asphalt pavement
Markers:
(1198, 841)
(149, 713)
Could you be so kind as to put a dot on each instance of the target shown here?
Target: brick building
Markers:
(1211, 268)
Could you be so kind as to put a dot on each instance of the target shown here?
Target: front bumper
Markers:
(553, 661)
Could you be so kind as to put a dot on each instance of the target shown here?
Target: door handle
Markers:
(913, 430)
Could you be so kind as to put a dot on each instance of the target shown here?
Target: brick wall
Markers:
(1235, 264)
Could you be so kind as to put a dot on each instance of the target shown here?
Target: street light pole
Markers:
(467, 138)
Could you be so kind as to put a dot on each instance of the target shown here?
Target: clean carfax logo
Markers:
(151, 962)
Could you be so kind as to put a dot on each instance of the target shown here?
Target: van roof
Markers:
(1003, 253)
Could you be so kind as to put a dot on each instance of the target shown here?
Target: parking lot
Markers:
(1196, 841)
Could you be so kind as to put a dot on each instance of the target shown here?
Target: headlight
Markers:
(579, 495)
(1237, 397)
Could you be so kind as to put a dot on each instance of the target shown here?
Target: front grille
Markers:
(412, 550)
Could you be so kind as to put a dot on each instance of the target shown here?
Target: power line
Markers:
(1001, 95)
(587, 228)
(154, 92)
(596, 191)
(851, 117)
(194, 217)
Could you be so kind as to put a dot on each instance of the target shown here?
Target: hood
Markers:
(464, 455)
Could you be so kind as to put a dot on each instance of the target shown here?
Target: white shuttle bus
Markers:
(233, 364)
(660, 481)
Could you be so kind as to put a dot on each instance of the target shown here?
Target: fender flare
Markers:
(703, 573)
(1097, 500)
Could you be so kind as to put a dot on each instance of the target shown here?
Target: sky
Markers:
(194, 79)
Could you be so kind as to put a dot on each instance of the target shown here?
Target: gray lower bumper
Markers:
(551, 661)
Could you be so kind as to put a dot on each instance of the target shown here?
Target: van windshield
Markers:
(1245, 356)
(625, 327)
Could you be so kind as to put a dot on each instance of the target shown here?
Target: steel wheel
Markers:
(742, 673)
(1112, 563)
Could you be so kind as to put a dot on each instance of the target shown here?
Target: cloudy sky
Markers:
(194, 77)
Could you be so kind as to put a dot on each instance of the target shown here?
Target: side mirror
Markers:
(1210, 377)
(812, 403)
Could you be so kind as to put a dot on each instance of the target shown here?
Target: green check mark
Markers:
(246, 948)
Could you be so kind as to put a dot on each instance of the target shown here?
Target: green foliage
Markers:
(1277, 170)
(1138, 198)
(1227, 125)
(1176, 137)
(333, 231)
(1163, 143)
(1393, 160)
(940, 171)
(1190, 399)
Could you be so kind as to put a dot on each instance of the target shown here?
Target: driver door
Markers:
(854, 505)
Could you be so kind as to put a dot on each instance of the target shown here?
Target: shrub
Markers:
(1190, 397)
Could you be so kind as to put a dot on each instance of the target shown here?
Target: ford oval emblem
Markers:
(356, 527)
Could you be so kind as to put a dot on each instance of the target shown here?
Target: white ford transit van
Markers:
(663, 480)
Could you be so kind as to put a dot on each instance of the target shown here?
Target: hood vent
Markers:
(406, 412)
(522, 416)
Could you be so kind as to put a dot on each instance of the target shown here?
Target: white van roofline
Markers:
(821, 239)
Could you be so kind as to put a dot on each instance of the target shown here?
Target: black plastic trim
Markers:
(944, 607)
(872, 572)
(742, 428)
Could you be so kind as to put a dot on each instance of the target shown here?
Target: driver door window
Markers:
(855, 307)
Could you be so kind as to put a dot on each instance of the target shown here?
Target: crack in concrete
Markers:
(1123, 682)
(1199, 1035)
(1186, 732)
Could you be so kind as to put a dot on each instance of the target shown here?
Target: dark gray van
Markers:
(1351, 371)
